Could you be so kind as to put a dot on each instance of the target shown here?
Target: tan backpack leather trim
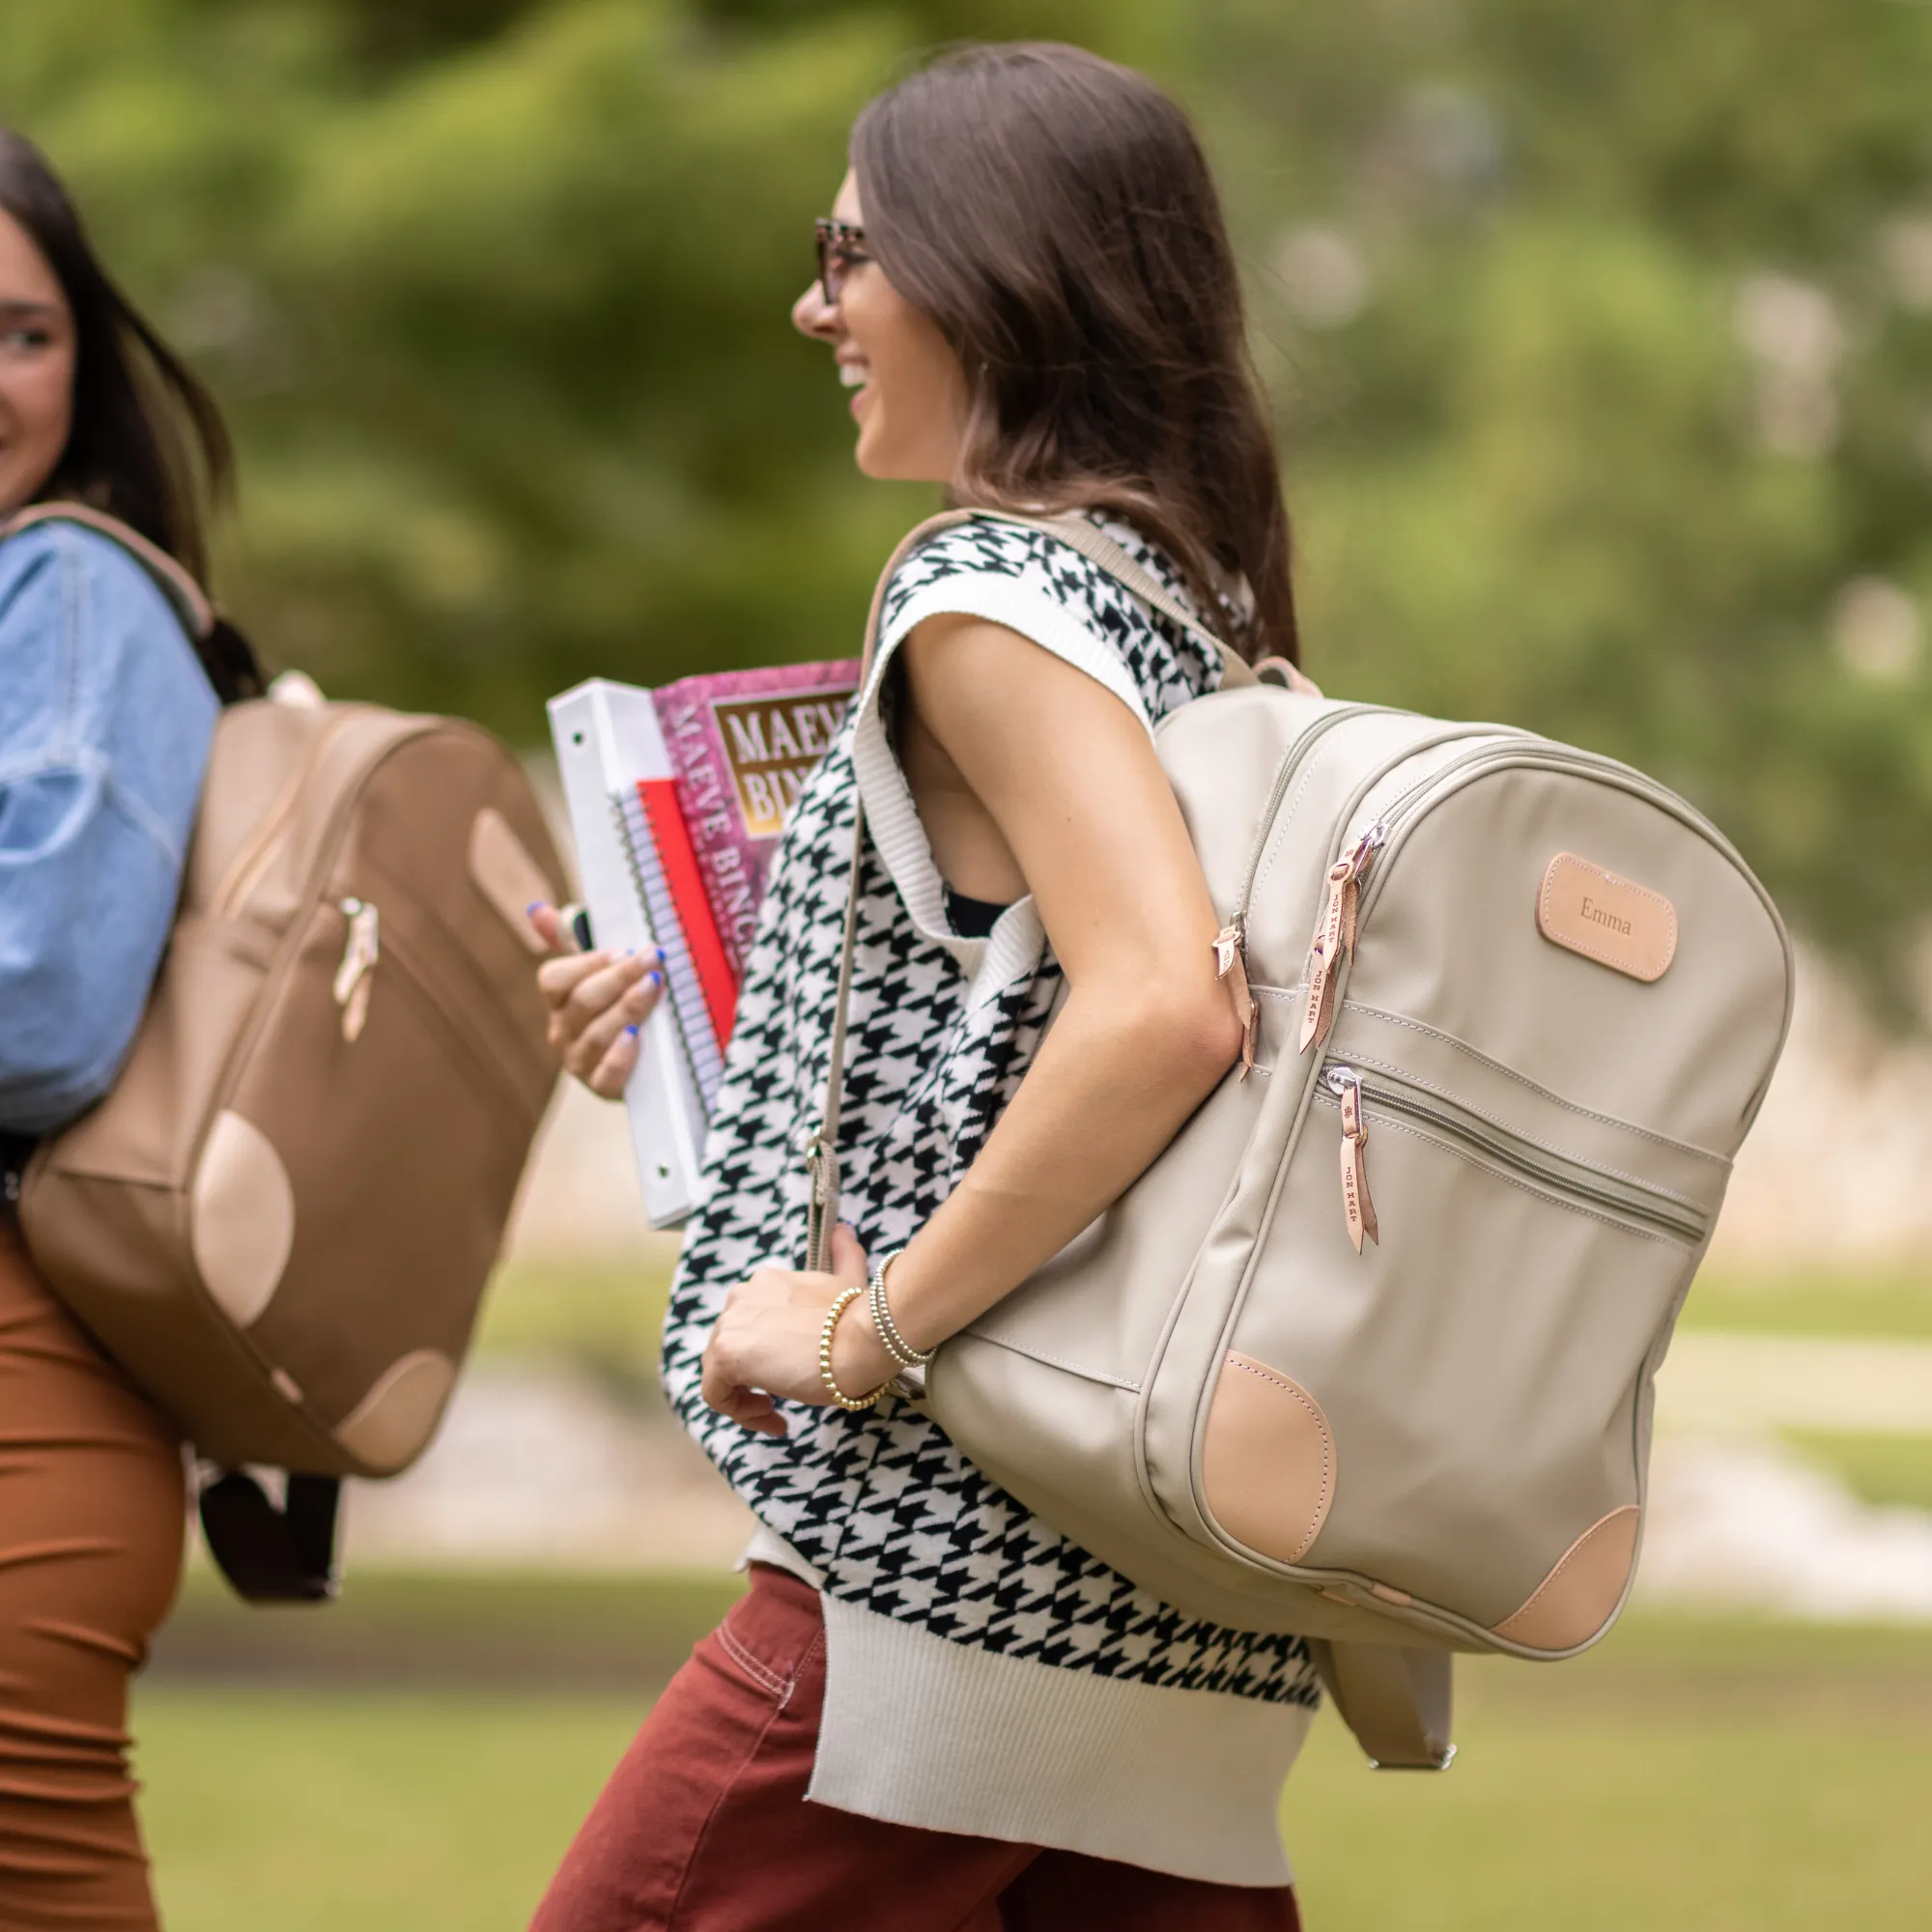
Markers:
(189, 599)
(1581, 1593)
(1268, 1459)
(1625, 927)
(390, 1425)
(244, 1217)
(506, 876)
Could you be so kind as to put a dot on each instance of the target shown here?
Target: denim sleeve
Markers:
(105, 721)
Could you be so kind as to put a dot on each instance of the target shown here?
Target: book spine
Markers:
(710, 810)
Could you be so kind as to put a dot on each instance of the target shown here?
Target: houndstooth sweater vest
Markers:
(942, 1030)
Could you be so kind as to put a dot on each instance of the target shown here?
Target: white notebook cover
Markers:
(606, 738)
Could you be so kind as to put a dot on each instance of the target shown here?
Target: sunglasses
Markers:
(841, 246)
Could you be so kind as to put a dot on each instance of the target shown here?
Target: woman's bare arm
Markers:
(1069, 778)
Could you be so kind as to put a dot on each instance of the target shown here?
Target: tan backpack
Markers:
(1367, 1353)
(281, 1220)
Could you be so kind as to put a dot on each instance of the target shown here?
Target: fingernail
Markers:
(654, 978)
(632, 1031)
(661, 956)
(535, 905)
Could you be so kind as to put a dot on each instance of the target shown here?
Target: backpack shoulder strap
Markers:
(821, 1156)
(1395, 1697)
(189, 600)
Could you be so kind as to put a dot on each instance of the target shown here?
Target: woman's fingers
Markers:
(559, 979)
(587, 986)
(611, 1075)
(848, 1259)
(755, 1410)
(586, 1051)
(549, 924)
(751, 1408)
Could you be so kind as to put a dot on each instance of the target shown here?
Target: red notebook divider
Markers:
(679, 859)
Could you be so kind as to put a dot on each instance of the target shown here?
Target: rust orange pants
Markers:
(92, 1514)
(704, 1826)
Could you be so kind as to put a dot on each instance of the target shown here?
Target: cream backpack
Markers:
(1367, 1353)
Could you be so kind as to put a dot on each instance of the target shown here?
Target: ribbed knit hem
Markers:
(950, 1737)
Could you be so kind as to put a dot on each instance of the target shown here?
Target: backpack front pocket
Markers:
(1447, 1416)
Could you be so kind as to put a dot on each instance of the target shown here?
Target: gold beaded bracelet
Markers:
(844, 1300)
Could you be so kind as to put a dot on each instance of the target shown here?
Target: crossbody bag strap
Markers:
(821, 1154)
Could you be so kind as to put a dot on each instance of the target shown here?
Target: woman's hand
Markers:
(597, 1003)
(766, 1341)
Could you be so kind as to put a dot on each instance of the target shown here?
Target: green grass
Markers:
(606, 1316)
(601, 1316)
(1691, 1776)
(1895, 1305)
(447, 1628)
(1889, 1470)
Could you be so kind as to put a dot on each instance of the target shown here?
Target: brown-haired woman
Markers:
(931, 1710)
(106, 717)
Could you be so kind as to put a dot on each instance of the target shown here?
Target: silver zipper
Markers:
(361, 949)
(1231, 943)
(1627, 1200)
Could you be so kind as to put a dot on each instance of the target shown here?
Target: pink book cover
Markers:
(743, 743)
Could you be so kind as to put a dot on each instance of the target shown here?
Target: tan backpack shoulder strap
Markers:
(821, 1155)
(1396, 1700)
(189, 600)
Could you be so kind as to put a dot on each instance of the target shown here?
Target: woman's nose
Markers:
(813, 315)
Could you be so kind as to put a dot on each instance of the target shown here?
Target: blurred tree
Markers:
(1604, 341)
(1601, 339)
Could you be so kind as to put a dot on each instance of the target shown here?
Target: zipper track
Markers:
(1627, 1200)
(1291, 761)
(246, 869)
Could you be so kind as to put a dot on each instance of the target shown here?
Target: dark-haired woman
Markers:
(105, 718)
(931, 1710)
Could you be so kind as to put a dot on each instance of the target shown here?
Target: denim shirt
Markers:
(105, 720)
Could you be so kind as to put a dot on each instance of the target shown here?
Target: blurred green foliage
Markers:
(1601, 340)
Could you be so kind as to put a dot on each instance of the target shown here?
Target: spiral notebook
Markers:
(677, 798)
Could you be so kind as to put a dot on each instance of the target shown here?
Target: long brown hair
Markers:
(147, 444)
(1053, 215)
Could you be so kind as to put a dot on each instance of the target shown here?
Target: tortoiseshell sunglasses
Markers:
(841, 245)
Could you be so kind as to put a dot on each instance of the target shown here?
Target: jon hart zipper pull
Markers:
(1335, 937)
(1231, 967)
(360, 950)
(1345, 1084)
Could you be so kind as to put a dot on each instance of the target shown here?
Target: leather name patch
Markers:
(1624, 927)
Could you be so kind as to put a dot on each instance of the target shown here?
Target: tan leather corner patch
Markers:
(1625, 927)
(505, 874)
(1267, 1461)
(1576, 1600)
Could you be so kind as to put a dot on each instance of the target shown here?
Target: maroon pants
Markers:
(704, 1826)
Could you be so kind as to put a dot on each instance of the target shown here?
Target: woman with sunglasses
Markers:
(931, 1710)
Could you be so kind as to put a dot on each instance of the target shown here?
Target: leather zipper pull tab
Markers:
(1231, 967)
(1335, 936)
(1356, 1204)
(1336, 931)
(361, 949)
